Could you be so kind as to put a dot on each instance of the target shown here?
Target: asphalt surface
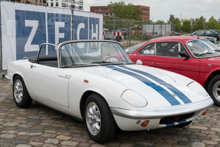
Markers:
(43, 126)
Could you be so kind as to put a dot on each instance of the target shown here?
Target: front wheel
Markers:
(98, 119)
(214, 89)
(21, 96)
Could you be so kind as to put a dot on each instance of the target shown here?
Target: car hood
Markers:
(159, 87)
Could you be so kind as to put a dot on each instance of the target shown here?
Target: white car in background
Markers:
(96, 82)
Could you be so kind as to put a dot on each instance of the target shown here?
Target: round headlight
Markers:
(197, 88)
(134, 99)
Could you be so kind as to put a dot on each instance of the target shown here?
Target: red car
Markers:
(194, 57)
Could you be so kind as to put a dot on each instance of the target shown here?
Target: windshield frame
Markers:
(192, 52)
(60, 45)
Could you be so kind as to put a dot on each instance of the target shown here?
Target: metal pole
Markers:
(127, 31)
(1, 74)
(142, 31)
(114, 25)
(153, 30)
(130, 33)
(72, 24)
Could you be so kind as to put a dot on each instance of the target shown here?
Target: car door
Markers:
(199, 33)
(46, 83)
(146, 53)
(167, 58)
(210, 33)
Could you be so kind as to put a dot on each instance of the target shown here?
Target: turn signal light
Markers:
(204, 113)
(145, 123)
(86, 81)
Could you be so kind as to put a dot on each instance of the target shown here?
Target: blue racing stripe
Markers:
(158, 88)
(184, 98)
(181, 122)
(171, 124)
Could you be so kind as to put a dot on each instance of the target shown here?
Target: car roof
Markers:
(182, 39)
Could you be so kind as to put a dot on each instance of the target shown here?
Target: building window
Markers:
(51, 4)
(63, 5)
(80, 7)
(72, 6)
(47, 4)
(44, 1)
(73, 1)
(57, 4)
(81, 3)
(39, 1)
(35, 0)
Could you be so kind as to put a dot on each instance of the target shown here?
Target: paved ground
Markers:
(42, 126)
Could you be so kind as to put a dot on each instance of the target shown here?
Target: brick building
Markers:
(106, 10)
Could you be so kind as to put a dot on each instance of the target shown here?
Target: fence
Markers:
(25, 26)
(134, 31)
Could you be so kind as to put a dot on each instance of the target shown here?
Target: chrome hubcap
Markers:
(216, 90)
(18, 91)
(93, 118)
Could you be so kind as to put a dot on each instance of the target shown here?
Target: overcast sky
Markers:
(161, 9)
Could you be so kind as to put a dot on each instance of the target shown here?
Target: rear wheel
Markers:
(118, 38)
(98, 119)
(214, 89)
(21, 96)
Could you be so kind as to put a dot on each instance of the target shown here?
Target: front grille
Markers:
(177, 118)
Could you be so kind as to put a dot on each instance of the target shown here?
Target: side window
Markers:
(199, 33)
(148, 49)
(167, 49)
(183, 49)
(208, 32)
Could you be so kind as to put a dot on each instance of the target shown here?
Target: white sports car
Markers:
(96, 82)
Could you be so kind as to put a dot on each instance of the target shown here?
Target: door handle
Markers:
(155, 63)
(32, 66)
(67, 76)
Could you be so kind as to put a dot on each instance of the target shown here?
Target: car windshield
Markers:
(92, 53)
(134, 48)
(203, 48)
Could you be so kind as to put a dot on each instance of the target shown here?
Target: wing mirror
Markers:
(183, 54)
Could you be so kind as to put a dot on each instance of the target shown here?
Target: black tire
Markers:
(25, 100)
(107, 123)
(118, 38)
(211, 88)
(183, 124)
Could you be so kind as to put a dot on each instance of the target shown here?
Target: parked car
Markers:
(210, 33)
(175, 33)
(125, 31)
(96, 82)
(212, 39)
(194, 57)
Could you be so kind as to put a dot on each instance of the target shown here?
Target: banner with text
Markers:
(25, 27)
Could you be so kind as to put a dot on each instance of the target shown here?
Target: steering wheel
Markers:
(112, 57)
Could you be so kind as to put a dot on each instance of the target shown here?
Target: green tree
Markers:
(212, 23)
(148, 21)
(176, 21)
(171, 17)
(121, 10)
(186, 27)
(160, 22)
(200, 24)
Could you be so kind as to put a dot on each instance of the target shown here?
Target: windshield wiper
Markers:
(107, 62)
(206, 53)
(79, 64)
(101, 62)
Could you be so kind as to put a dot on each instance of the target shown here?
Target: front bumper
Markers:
(130, 120)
